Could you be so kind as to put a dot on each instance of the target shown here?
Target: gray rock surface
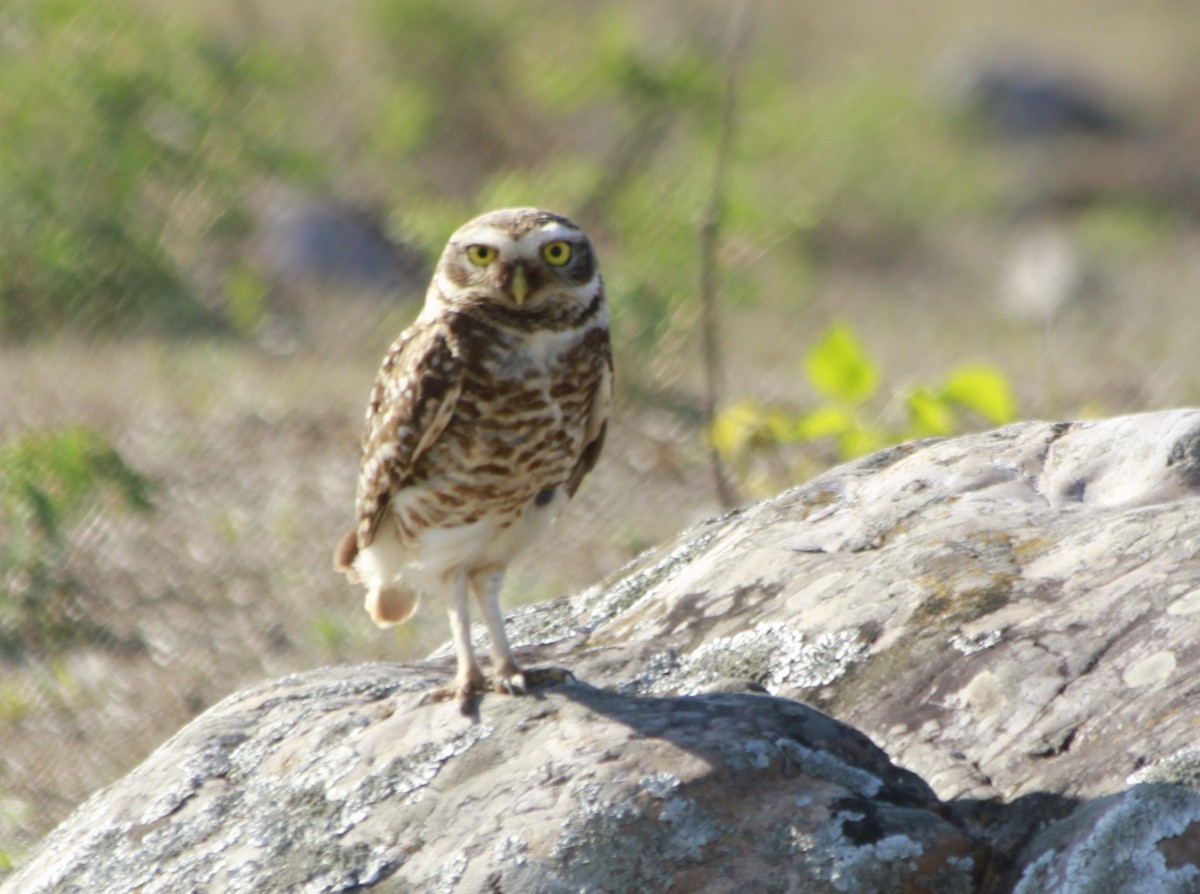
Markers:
(337, 780)
(1010, 616)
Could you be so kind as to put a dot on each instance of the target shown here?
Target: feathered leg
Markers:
(469, 679)
(507, 675)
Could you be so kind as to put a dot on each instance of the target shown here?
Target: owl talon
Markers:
(510, 684)
(463, 692)
(520, 682)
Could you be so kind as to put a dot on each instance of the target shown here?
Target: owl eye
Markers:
(481, 255)
(556, 253)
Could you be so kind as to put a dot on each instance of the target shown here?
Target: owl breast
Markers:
(493, 481)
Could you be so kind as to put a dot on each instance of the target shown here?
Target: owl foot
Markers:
(510, 682)
(519, 682)
(463, 691)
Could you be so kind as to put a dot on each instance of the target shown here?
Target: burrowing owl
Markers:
(484, 418)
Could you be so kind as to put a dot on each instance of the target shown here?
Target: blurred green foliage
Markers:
(1120, 229)
(129, 147)
(49, 481)
(500, 104)
(847, 379)
(134, 141)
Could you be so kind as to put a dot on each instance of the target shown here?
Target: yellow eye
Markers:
(556, 253)
(481, 255)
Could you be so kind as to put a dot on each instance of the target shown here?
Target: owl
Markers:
(487, 413)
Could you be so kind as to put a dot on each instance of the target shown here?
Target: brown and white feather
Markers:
(486, 413)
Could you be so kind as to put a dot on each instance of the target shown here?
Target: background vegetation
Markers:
(217, 216)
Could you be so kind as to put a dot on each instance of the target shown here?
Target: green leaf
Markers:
(929, 414)
(837, 366)
(984, 389)
(737, 427)
(823, 422)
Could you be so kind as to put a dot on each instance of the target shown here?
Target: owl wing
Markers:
(597, 424)
(411, 404)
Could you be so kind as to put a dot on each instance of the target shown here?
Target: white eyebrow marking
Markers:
(488, 235)
(525, 245)
(555, 230)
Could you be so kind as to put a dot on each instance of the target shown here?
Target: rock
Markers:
(1020, 598)
(1146, 838)
(1011, 616)
(1023, 100)
(1075, 144)
(309, 240)
(336, 780)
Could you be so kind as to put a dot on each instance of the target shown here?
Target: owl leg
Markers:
(469, 679)
(507, 675)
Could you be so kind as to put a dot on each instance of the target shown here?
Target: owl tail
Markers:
(392, 604)
(345, 554)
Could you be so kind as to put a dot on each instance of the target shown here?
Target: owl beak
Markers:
(520, 285)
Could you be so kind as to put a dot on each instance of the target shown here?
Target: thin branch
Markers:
(710, 232)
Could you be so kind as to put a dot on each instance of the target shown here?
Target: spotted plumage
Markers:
(484, 418)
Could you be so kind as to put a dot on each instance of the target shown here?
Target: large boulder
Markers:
(1010, 617)
(338, 780)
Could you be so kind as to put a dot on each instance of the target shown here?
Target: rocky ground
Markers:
(958, 666)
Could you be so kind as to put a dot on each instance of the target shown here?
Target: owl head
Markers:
(522, 260)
